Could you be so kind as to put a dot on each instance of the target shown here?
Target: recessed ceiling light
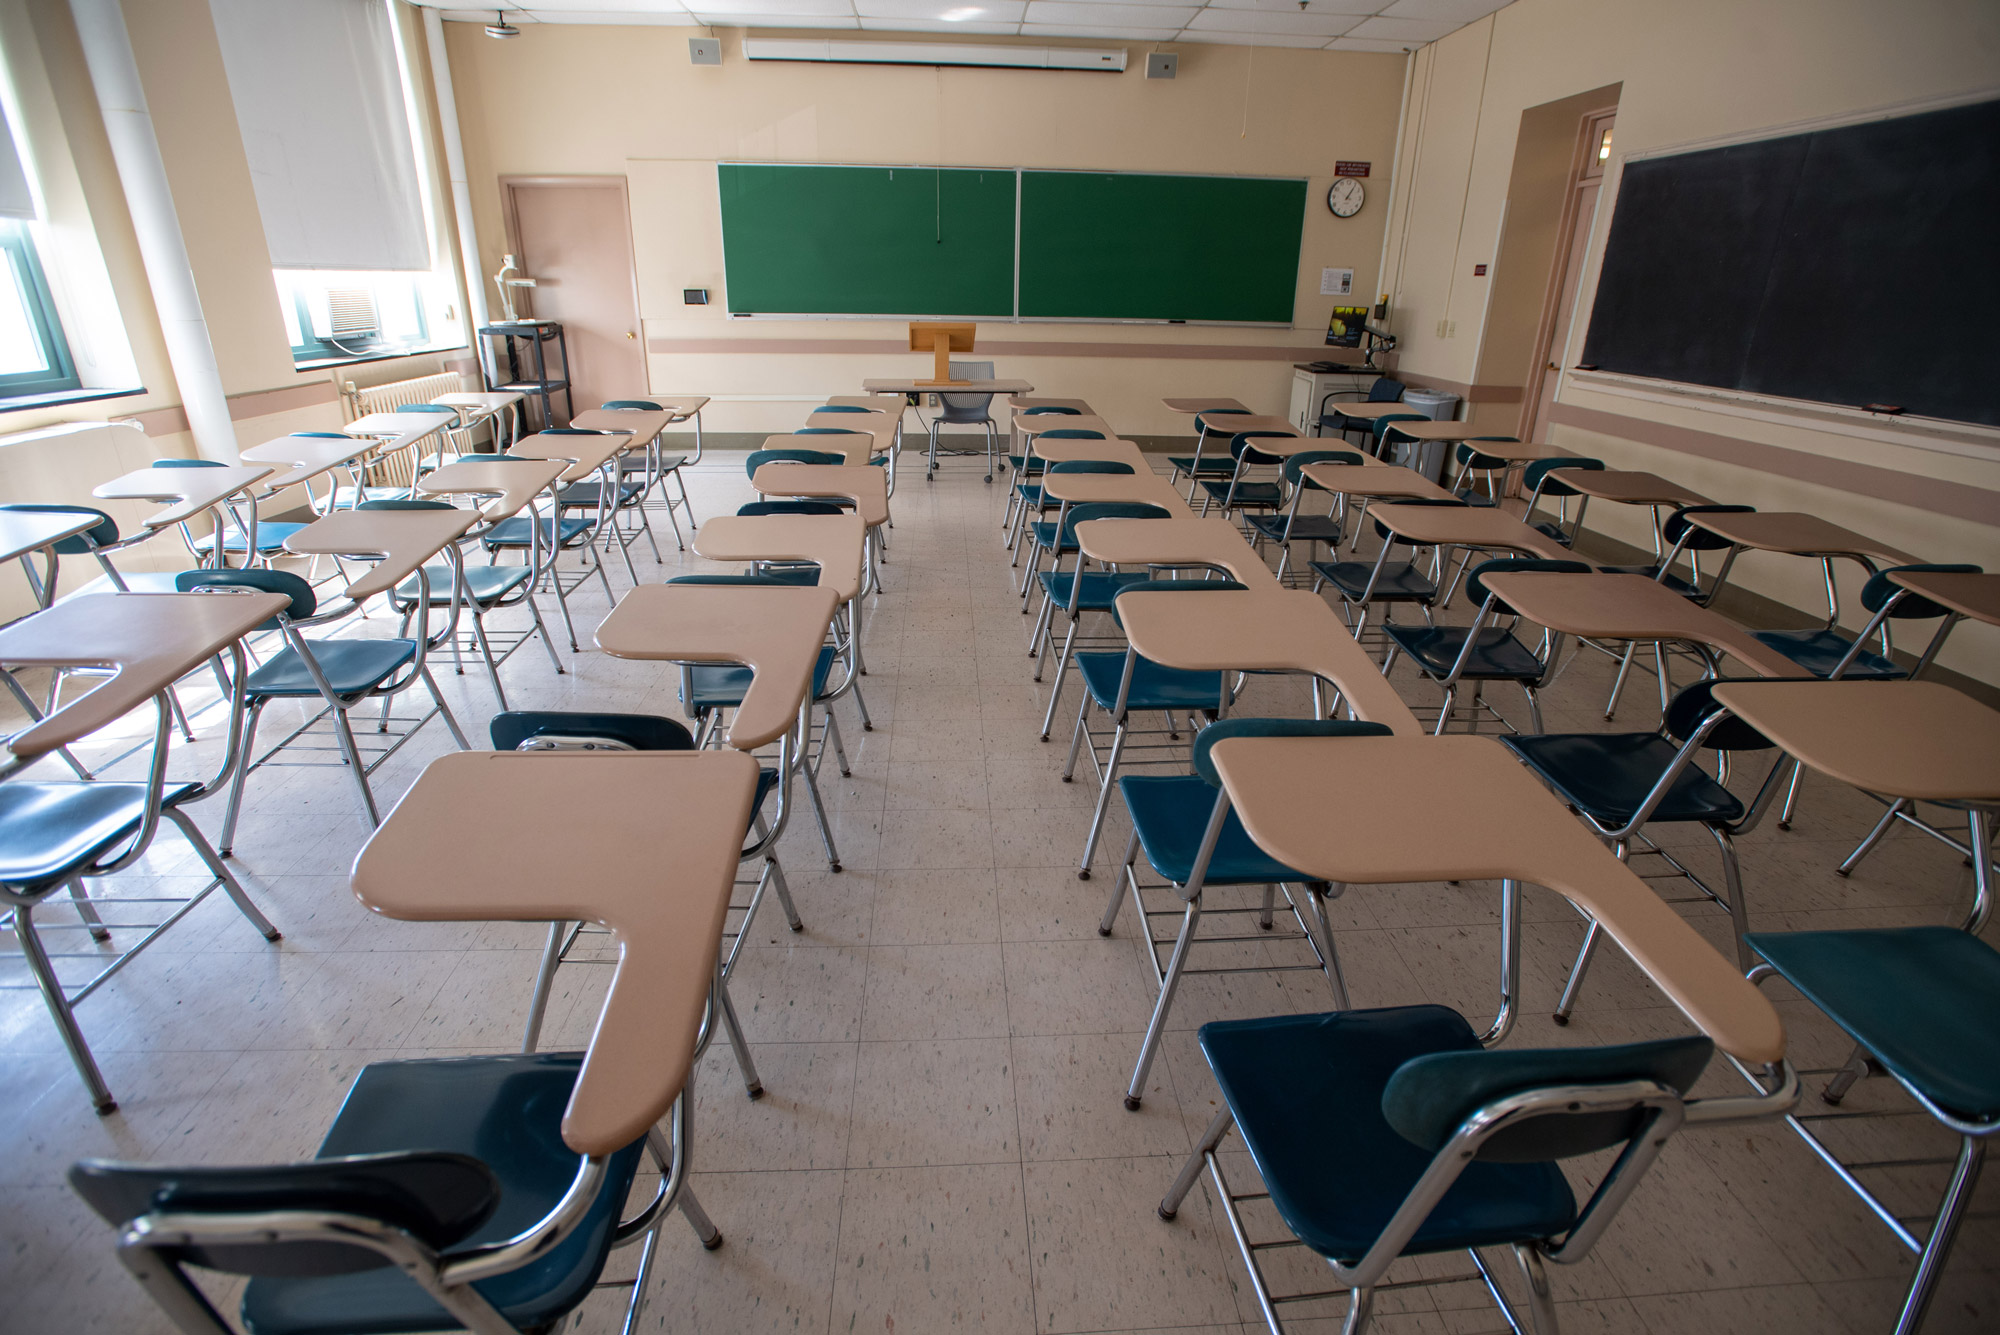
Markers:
(961, 14)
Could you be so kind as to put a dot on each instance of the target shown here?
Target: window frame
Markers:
(17, 244)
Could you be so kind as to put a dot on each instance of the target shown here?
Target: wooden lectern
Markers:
(943, 340)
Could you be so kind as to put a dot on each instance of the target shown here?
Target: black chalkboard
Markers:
(1858, 265)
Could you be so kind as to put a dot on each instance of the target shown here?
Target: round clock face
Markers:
(1345, 197)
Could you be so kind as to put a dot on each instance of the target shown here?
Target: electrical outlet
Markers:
(1451, 329)
(932, 401)
(1442, 326)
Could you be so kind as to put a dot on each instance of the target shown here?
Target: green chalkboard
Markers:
(813, 240)
(1126, 246)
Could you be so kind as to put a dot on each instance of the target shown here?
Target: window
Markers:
(335, 316)
(34, 355)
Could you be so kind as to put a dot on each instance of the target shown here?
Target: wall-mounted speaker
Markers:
(705, 50)
(1162, 65)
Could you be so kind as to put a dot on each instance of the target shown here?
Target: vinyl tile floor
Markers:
(944, 1144)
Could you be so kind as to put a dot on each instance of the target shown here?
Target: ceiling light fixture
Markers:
(961, 14)
(500, 27)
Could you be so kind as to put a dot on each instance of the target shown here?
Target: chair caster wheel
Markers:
(1560, 1018)
(756, 1091)
(989, 478)
(1083, 876)
(1131, 1104)
(712, 1243)
(1164, 1213)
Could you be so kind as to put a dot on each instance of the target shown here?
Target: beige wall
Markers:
(1693, 71)
(625, 101)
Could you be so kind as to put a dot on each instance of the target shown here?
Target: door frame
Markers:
(1581, 173)
(511, 223)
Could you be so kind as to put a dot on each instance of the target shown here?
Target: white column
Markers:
(107, 49)
(461, 192)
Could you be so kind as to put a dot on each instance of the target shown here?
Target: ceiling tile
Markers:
(953, 12)
(1352, 7)
(1293, 24)
(1392, 30)
(1374, 44)
(765, 9)
(1071, 13)
(553, 10)
(969, 29)
(1443, 11)
(711, 19)
(1212, 38)
(1111, 30)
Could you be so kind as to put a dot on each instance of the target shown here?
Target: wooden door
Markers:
(1560, 307)
(573, 236)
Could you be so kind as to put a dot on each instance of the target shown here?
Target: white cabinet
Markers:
(1309, 388)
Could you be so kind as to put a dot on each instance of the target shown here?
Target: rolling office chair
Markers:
(965, 410)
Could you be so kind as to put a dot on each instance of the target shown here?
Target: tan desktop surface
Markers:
(1630, 607)
(1914, 739)
(867, 486)
(1183, 540)
(1468, 526)
(185, 491)
(511, 482)
(402, 540)
(834, 542)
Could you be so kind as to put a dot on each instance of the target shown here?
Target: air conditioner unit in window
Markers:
(351, 315)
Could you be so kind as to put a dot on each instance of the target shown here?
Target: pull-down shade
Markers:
(320, 103)
(16, 200)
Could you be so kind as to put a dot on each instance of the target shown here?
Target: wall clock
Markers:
(1345, 197)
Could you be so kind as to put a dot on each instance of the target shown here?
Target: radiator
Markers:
(395, 471)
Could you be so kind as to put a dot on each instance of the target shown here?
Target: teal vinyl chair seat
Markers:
(1400, 583)
(1296, 528)
(1220, 465)
(1674, 582)
(486, 585)
(1100, 589)
(1153, 686)
(49, 829)
(1608, 775)
(506, 1112)
(721, 686)
(582, 494)
(1497, 656)
(1307, 1092)
(1820, 651)
(270, 539)
(515, 532)
(1171, 813)
(351, 666)
(1921, 1000)
(1026, 465)
(1247, 493)
(641, 732)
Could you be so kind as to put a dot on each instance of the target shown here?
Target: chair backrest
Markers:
(304, 601)
(1475, 583)
(964, 408)
(1380, 426)
(767, 580)
(1107, 510)
(758, 458)
(1074, 433)
(1382, 532)
(1880, 589)
(411, 504)
(324, 435)
(971, 370)
(440, 1198)
(1385, 390)
(573, 431)
(587, 731)
(1699, 539)
(1239, 445)
(828, 431)
(840, 408)
(1295, 465)
(1091, 466)
(1485, 463)
(101, 534)
(642, 405)
(428, 408)
(1537, 473)
(187, 463)
(1202, 425)
(1205, 740)
(1429, 1098)
(789, 508)
(1691, 707)
(1045, 409)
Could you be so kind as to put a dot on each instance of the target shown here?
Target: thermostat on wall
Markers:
(694, 296)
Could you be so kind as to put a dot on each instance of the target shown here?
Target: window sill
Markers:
(385, 355)
(61, 397)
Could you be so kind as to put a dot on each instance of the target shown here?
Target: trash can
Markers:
(1427, 456)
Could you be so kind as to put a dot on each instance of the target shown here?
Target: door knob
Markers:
(630, 334)
(1552, 365)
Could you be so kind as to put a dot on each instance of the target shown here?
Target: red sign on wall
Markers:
(1350, 168)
